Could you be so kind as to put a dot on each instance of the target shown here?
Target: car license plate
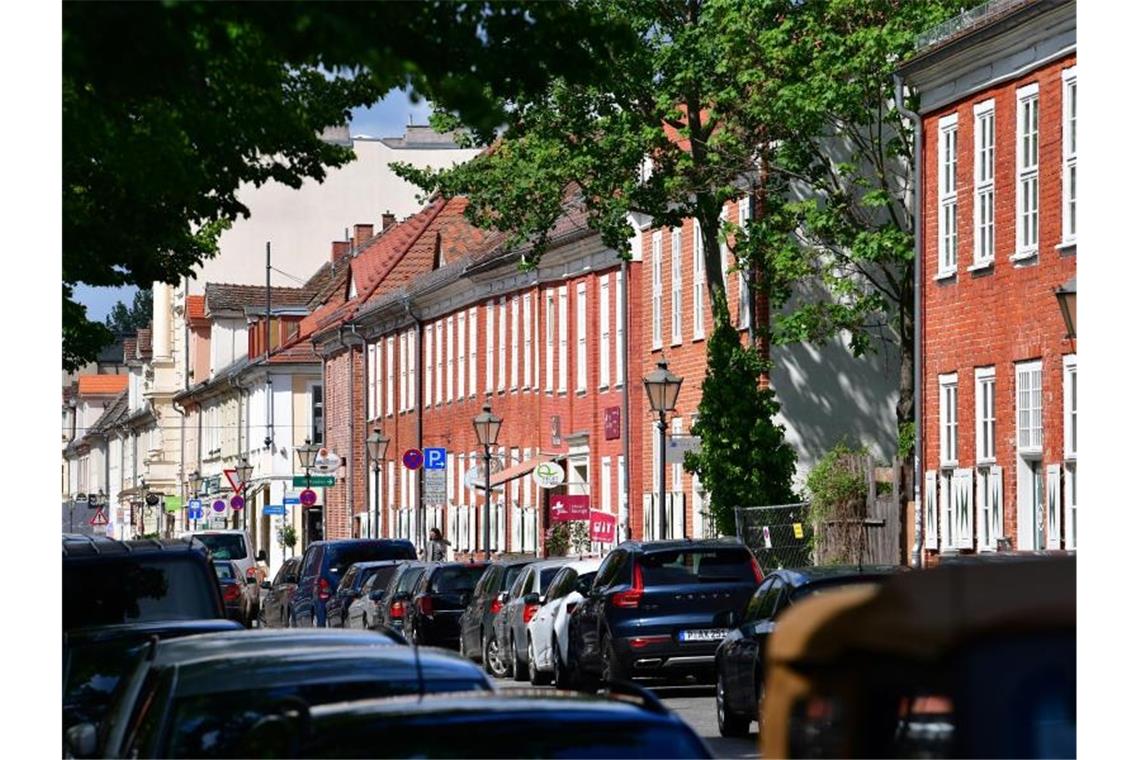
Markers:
(705, 634)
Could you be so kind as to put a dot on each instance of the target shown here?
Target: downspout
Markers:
(351, 418)
(623, 505)
(919, 528)
(420, 512)
(185, 386)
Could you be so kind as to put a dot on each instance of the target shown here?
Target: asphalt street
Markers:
(696, 705)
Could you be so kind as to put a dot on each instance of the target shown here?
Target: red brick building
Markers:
(997, 223)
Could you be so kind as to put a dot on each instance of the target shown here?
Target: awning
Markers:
(519, 470)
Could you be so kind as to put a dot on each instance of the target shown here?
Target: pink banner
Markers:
(603, 526)
(564, 508)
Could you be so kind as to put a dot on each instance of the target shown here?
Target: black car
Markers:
(397, 595)
(438, 600)
(506, 724)
(660, 609)
(323, 565)
(476, 625)
(109, 582)
(351, 587)
(231, 584)
(526, 595)
(224, 706)
(740, 657)
(364, 612)
(96, 659)
(274, 610)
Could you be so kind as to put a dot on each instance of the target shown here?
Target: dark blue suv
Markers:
(660, 609)
(324, 564)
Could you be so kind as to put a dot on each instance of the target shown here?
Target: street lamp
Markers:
(1067, 300)
(377, 448)
(195, 481)
(487, 426)
(662, 387)
(306, 455)
(243, 471)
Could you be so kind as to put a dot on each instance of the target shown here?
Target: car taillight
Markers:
(496, 606)
(396, 610)
(231, 593)
(630, 599)
(757, 571)
(640, 642)
(424, 603)
(528, 612)
(324, 590)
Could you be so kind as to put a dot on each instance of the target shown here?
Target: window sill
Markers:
(677, 342)
(1024, 257)
(950, 275)
(949, 465)
(698, 338)
(981, 266)
(985, 462)
(1066, 245)
(603, 388)
(658, 347)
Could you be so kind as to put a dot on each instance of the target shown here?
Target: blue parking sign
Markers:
(435, 458)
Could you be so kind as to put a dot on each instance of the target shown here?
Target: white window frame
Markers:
(528, 373)
(675, 286)
(698, 283)
(1070, 488)
(947, 196)
(985, 415)
(989, 500)
(438, 366)
(429, 362)
(461, 356)
(549, 341)
(403, 372)
(580, 356)
(472, 351)
(1028, 405)
(515, 342)
(607, 483)
(450, 359)
(1068, 156)
(389, 391)
(984, 165)
(619, 344)
(948, 419)
(677, 473)
(657, 290)
(563, 336)
(371, 383)
(1028, 181)
(489, 311)
(413, 390)
(1069, 386)
(604, 332)
(501, 386)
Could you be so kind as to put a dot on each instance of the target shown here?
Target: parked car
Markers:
(661, 608)
(97, 659)
(477, 622)
(547, 632)
(438, 600)
(364, 612)
(109, 582)
(250, 602)
(274, 607)
(231, 583)
(212, 706)
(740, 657)
(350, 589)
(323, 565)
(398, 594)
(504, 724)
(228, 545)
(526, 595)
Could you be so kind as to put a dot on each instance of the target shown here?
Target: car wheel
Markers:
(493, 661)
(562, 679)
(729, 723)
(537, 677)
(612, 669)
(518, 667)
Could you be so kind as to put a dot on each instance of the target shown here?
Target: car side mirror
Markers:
(82, 740)
(532, 598)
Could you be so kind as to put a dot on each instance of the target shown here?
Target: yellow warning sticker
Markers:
(798, 529)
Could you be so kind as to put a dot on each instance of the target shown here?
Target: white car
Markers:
(232, 545)
(548, 631)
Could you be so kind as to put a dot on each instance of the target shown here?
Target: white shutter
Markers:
(997, 499)
(516, 529)
(678, 518)
(429, 363)
(647, 522)
(964, 508)
(1053, 504)
(1071, 506)
(945, 521)
(453, 526)
(930, 510)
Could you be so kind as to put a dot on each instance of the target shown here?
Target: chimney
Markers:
(340, 249)
(361, 233)
(387, 220)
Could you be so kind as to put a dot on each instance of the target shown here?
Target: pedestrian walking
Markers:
(439, 546)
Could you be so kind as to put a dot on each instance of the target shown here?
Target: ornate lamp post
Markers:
(487, 426)
(377, 447)
(662, 387)
(194, 480)
(243, 471)
(306, 455)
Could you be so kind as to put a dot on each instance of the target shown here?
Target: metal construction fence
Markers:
(779, 535)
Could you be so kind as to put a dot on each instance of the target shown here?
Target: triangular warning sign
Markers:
(98, 518)
(237, 485)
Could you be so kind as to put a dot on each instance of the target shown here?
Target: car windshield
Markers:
(547, 735)
(688, 566)
(343, 557)
(379, 576)
(136, 589)
(226, 725)
(224, 545)
(456, 579)
(224, 571)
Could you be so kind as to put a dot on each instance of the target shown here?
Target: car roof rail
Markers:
(623, 690)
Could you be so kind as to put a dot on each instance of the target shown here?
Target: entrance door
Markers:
(314, 526)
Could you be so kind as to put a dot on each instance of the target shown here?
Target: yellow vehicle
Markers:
(964, 660)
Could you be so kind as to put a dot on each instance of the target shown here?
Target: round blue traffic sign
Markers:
(413, 459)
(219, 506)
(237, 502)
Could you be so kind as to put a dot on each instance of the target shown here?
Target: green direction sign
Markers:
(172, 503)
(300, 481)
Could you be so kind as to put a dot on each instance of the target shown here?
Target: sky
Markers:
(384, 119)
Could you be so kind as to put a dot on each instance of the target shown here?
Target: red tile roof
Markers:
(102, 385)
(195, 308)
(297, 353)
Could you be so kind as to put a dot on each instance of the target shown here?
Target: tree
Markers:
(216, 95)
(123, 321)
(742, 450)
